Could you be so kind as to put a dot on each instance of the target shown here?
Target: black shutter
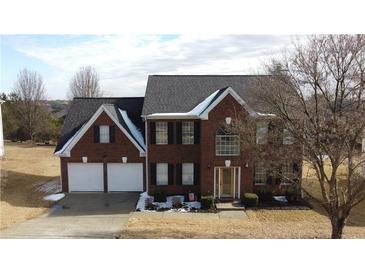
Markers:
(96, 134)
(196, 174)
(178, 133)
(268, 177)
(111, 134)
(196, 133)
(153, 173)
(295, 168)
(179, 174)
(152, 133)
(171, 174)
(170, 132)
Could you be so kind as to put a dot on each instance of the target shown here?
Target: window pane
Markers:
(161, 133)
(188, 174)
(187, 133)
(227, 145)
(261, 133)
(104, 134)
(162, 174)
(287, 173)
(260, 174)
(287, 137)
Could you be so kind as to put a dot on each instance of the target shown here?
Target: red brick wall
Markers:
(172, 154)
(101, 153)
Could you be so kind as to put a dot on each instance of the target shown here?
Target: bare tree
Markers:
(317, 93)
(85, 83)
(30, 109)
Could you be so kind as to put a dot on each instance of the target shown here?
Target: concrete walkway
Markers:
(234, 214)
(86, 215)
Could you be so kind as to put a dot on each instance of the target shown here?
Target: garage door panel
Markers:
(125, 177)
(85, 177)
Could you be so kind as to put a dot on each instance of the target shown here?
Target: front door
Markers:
(227, 180)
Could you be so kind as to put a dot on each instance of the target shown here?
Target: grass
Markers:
(261, 223)
(24, 166)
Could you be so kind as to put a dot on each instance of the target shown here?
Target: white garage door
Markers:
(85, 177)
(125, 177)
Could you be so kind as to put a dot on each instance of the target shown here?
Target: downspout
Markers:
(145, 134)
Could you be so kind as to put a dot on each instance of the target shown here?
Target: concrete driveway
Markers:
(81, 215)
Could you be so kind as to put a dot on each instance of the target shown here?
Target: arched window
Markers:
(227, 144)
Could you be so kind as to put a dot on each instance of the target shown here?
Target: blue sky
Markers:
(124, 61)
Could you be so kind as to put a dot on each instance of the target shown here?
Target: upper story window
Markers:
(288, 138)
(187, 129)
(161, 133)
(262, 130)
(227, 144)
(104, 134)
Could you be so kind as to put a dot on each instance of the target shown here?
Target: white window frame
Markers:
(188, 174)
(224, 147)
(288, 138)
(263, 174)
(187, 132)
(162, 137)
(104, 134)
(287, 172)
(162, 174)
(262, 133)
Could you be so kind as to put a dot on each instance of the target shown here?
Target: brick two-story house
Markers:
(173, 140)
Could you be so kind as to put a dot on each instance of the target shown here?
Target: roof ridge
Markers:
(209, 75)
(95, 98)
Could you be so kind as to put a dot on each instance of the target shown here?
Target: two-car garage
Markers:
(87, 177)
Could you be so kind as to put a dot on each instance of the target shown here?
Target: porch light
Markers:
(84, 159)
(246, 165)
(228, 120)
(124, 160)
(227, 163)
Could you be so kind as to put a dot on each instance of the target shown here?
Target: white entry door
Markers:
(125, 177)
(85, 177)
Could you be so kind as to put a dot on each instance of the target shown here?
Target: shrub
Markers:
(265, 195)
(160, 197)
(150, 206)
(250, 199)
(207, 202)
(176, 203)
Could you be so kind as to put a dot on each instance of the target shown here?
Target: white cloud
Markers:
(124, 62)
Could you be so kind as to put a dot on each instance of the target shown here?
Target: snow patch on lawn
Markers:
(145, 199)
(54, 197)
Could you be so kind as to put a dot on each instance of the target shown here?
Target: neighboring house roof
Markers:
(182, 93)
(82, 109)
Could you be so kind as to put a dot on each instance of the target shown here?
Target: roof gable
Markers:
(127, 130)
(82, 109)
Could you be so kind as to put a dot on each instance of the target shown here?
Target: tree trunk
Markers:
(337, 227)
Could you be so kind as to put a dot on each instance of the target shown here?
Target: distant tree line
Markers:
(27, 115)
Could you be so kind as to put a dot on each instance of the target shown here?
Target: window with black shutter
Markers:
(153, 173)
(96, 134)
(111, 134)
(196, 174)
(196, 133)
(152, 132)
(170, 133)
(171, 174)
(178, 132)
(178, 174)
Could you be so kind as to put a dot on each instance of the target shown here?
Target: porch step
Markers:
(229, 206)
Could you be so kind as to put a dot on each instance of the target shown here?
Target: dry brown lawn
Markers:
(261, 224)
(25, 165)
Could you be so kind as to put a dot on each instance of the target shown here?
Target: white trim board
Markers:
(65, 151)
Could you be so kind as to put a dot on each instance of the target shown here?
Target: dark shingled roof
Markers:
(181, 93)
(82, 109)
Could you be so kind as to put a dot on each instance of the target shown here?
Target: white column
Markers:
(2, 149)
